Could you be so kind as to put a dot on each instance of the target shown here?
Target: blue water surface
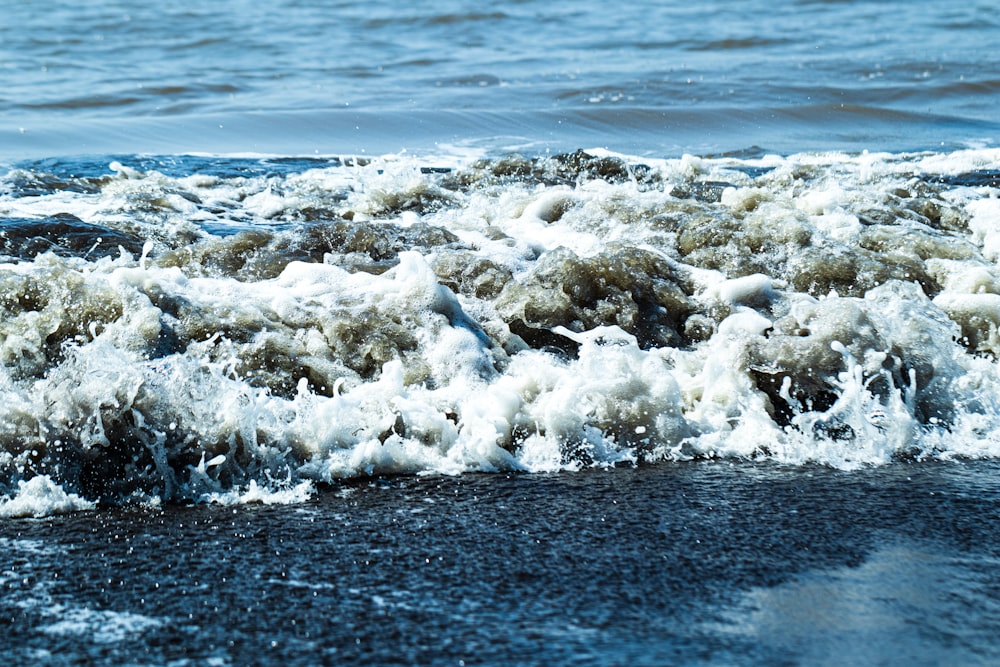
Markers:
(651, 77)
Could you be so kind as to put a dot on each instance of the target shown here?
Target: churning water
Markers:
(685, 257)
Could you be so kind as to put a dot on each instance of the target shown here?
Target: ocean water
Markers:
(535, 333)
(647, 78)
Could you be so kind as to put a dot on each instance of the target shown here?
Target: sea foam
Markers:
(281, 330)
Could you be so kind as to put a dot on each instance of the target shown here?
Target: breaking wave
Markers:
(189, 328)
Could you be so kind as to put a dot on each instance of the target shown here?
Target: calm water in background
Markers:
(702, 563)
(646, 77)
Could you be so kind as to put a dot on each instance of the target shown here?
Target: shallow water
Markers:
(689, 564)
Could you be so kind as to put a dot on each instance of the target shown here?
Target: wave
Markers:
(241, 329)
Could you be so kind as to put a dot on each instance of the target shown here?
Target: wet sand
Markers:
(702, 563)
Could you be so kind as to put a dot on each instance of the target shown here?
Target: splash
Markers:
(243, 334)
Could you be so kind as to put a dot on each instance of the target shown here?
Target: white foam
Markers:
(39, 497)
(257, 494)
(984, 223)
(748, 290)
